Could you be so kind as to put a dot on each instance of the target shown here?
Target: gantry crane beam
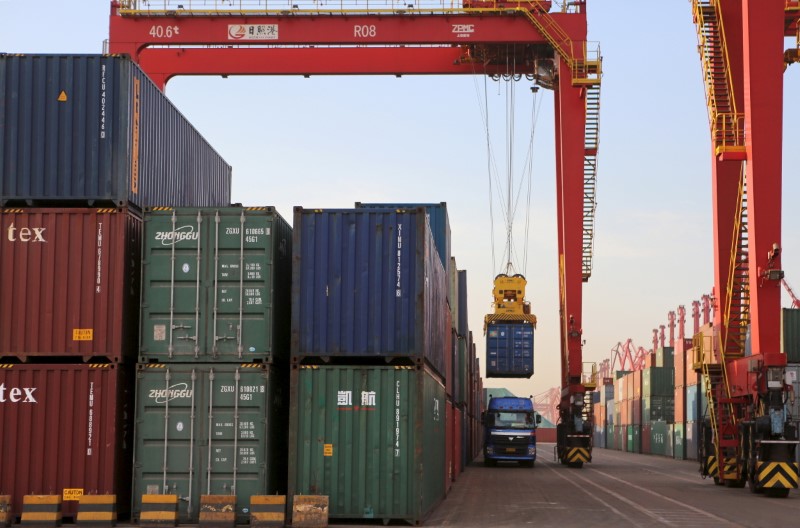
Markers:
(478, 37)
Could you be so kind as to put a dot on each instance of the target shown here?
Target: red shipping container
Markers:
(67, 430)
(545, 434)
(647, 439)
(450, 349)
(680, 360)
(636, 411)
(458, 457)
(680, 405)
(70, 282)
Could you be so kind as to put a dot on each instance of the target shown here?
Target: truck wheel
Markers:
(576, 465)
(488, 462)
(526, 463)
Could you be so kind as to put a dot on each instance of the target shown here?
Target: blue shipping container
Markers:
(367, 283)
(463, 320)
(509, 350)
(94, 129)
(439, 220)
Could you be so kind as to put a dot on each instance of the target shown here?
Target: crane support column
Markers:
(763, 86)
(574, 429)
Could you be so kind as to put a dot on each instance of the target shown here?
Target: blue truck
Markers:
(509, 431)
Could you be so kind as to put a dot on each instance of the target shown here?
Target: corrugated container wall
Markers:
(452, 297)
(367, 283)
(438, 220)
(463, 312)
(217, 285)
(370, 438)
(70, 282)
(509, 350)
(790, 334)
(95, 129)
(66, 427)
(665, 357)
(657, 381)
(207, 429)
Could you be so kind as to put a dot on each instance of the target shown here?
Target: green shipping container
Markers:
(658, 438)
(665, 357)
(658, 381)
(209, 429)
(610, 438)
(679, 441)
(790, 335)
(370, 438)
(216, 285)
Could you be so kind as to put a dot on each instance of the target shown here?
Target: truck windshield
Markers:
(513, 420)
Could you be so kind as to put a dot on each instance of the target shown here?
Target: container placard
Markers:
(327, 450)
(82, 334)
(72, 494)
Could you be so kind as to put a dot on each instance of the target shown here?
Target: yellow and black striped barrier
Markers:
(41, 510)
(267, 510)
(730, 471)
(218, 511)
(5, 510)
(578, 454)
(776, 475)
(310, 511)
(712, 466)
(97, 510)
(159, 510)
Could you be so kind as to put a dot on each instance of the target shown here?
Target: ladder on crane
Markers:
(724, 410)
(727, 123)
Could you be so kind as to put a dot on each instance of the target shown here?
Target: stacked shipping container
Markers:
(86, 142)
(371, 332)
(213, 360)
(673, 400)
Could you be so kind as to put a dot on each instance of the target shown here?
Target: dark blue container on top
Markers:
(509, 350)
(94, 130)
(367, 283)
(439, 220)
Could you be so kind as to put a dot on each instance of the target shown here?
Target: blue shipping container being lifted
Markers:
(94, 130)
(367, 283)
(439, 220)
(509, 350)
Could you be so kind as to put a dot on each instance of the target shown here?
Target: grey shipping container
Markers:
(440, 226)
(94, 130)
(367, 284)
(216, 285)
(209, 429)
(452, 296)
(370, 438)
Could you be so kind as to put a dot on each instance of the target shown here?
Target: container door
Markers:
(173, 297)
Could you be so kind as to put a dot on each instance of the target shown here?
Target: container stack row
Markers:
(659, 410)
(157, 340)
(87, 144)
(376, 392)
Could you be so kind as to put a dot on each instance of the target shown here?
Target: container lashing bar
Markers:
(190, 507)
(241, 286)
(210, 428)
(214, 351)
(197, 269)
(236, 431)
(167, 378)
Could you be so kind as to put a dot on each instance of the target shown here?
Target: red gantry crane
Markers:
(747, 436)
(484, 37)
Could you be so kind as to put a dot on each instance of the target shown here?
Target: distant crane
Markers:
(795, 300)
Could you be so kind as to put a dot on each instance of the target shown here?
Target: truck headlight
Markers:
(531, 450)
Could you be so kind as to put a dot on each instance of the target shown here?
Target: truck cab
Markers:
(509, 431)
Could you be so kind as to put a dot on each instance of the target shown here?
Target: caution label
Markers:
(327, 450)
(62, 97)
(82, 334)
(72, 494)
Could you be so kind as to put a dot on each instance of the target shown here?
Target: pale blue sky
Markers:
(332, 141)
